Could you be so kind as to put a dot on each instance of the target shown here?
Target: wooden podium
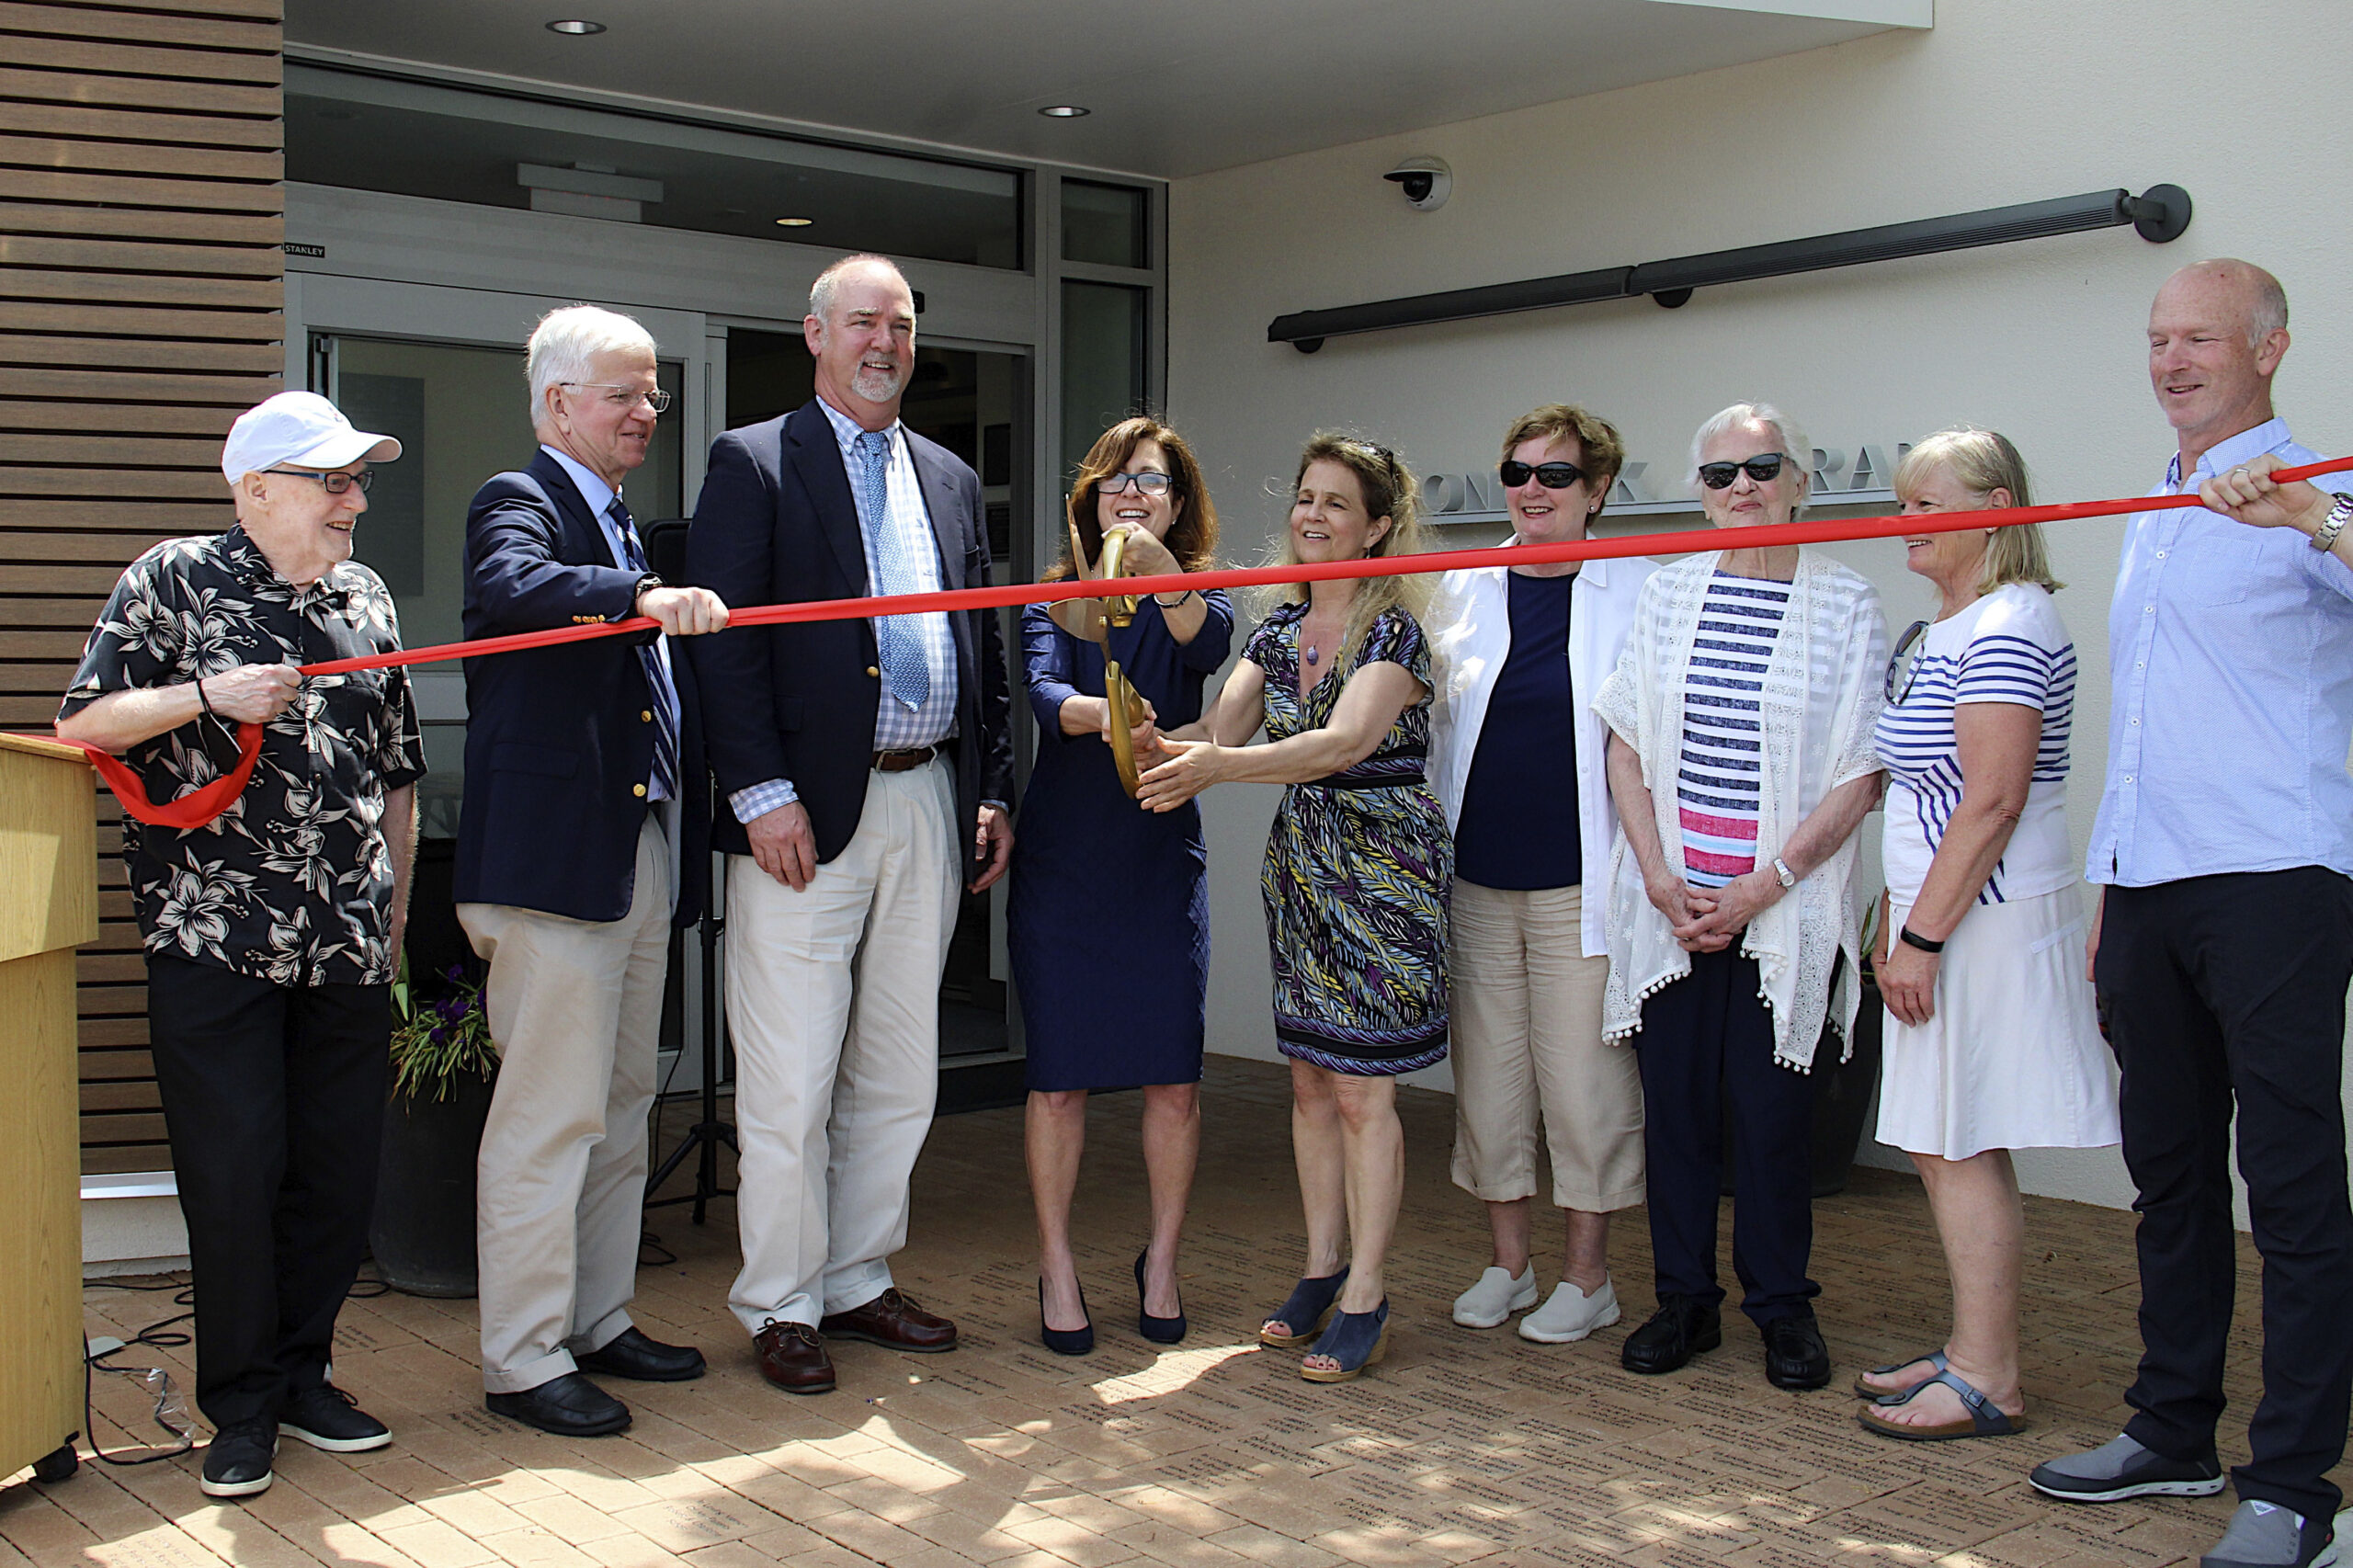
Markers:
(49, 906)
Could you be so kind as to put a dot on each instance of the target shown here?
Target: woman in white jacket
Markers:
(1742, 764)
(1517, 761)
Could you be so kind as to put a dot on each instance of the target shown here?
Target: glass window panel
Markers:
(1105, 223)
(1103, 363)
(420, 139)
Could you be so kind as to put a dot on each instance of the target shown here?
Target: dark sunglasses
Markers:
(1551, 476)
(1903, 664)
(1764, 469)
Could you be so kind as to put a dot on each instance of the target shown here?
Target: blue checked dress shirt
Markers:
(2230, 708)
(621, 538)
(916, 652)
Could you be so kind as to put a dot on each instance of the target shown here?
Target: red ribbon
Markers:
(200, 806)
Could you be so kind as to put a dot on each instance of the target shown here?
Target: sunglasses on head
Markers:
(1551, 476)
(1764, 469)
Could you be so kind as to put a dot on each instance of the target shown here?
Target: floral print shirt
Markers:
(293, 883)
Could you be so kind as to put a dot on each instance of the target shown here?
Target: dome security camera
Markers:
(1425, 182)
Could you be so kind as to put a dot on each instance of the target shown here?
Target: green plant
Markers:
(437, 1044)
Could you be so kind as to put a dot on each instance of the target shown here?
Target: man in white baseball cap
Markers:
(272, 934)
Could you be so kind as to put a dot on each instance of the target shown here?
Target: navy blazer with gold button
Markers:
(559, 741)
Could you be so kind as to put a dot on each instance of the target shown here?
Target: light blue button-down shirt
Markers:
(2231, 707)
(601, 497)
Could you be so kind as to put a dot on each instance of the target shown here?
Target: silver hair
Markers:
(566, 343)
(1794, 444)
(821, 292)
(2268, 312)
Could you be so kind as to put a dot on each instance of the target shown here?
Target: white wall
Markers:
(2003, 102)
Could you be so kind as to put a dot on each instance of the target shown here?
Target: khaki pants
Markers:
(832, 1002)
(575, 1007)
(1526, 1031)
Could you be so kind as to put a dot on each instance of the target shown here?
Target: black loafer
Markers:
(1681, 1329)
(569, 1406)
(236, 1464)
(1795, 1357)
(632, 1355)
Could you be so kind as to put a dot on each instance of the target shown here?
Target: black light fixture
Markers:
(1066, 111)
(575, 27)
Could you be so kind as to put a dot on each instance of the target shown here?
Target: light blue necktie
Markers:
(658, 684)
(906, 673)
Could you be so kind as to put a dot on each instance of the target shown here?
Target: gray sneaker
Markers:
(2265, 1535)
(2124, 1469)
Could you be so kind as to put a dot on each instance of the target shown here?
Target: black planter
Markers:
(423, 1232)
(1842, 1098)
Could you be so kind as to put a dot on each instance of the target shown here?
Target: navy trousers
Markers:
(2223, 992)
(274, 1100)
(1706, 1044)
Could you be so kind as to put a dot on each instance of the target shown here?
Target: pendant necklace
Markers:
(1311, 653)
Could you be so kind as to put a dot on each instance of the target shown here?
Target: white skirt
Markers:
(2013, 1058)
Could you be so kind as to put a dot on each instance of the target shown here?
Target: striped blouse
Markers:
(2009, 646)
(1721, 771)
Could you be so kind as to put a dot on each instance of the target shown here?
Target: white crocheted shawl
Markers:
(1822, 698)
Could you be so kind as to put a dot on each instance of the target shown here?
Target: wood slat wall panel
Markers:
(142, 290)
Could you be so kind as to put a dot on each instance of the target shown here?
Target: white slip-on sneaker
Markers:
(1495, 1297)
(1571, 1314)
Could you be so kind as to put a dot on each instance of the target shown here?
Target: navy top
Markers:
(1518, 828)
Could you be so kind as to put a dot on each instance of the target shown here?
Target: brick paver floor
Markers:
(1462, 1447)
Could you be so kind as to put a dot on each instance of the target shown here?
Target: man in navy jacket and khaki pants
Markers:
(864, 767)
(583, 837)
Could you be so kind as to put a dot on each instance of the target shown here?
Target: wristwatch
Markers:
(2324, 535)
(1781, 869)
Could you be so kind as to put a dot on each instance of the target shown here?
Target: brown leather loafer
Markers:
(891, 1320)
(794, 1357)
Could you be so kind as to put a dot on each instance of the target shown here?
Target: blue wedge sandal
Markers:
(1356, 1340)
(1302, 1312)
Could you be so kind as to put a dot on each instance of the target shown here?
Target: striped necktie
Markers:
(906, 675)
(658, 685)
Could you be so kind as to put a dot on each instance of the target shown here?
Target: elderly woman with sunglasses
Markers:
(1517, 763)
(1742, 765)
(1992, 1043)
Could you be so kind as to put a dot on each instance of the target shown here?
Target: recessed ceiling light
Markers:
(1065, 112)
(794, 223)
(576, 29)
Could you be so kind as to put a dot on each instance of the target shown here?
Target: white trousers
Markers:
(832, 1002)
(575, 1007)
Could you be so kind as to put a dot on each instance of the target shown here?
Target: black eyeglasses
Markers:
(1145, 483)
(1551, 476)
(1905, 663)
(337, 484)
(1764, 469)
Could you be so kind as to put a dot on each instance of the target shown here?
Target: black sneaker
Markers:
(236, 1464)
(1795, 1357)
(1681, 1329)
(2122, 1469)
(327, 1417)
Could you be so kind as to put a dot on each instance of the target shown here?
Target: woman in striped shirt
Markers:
(1741, 763)
(1990, 1041)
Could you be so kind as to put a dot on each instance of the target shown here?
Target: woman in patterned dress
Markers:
(1358, 868)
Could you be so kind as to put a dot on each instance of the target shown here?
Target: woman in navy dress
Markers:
(1108, 913)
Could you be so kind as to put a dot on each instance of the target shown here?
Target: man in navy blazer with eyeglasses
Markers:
(583, 838)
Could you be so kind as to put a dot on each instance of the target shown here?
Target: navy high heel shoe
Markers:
(1065, 1341)
(1302, 1310)
(1160, 1331)
(1356, 1340)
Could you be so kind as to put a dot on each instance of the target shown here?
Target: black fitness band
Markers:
(1913, 939)
(203, 701)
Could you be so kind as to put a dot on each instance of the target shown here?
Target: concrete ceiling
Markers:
(1176, 87)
